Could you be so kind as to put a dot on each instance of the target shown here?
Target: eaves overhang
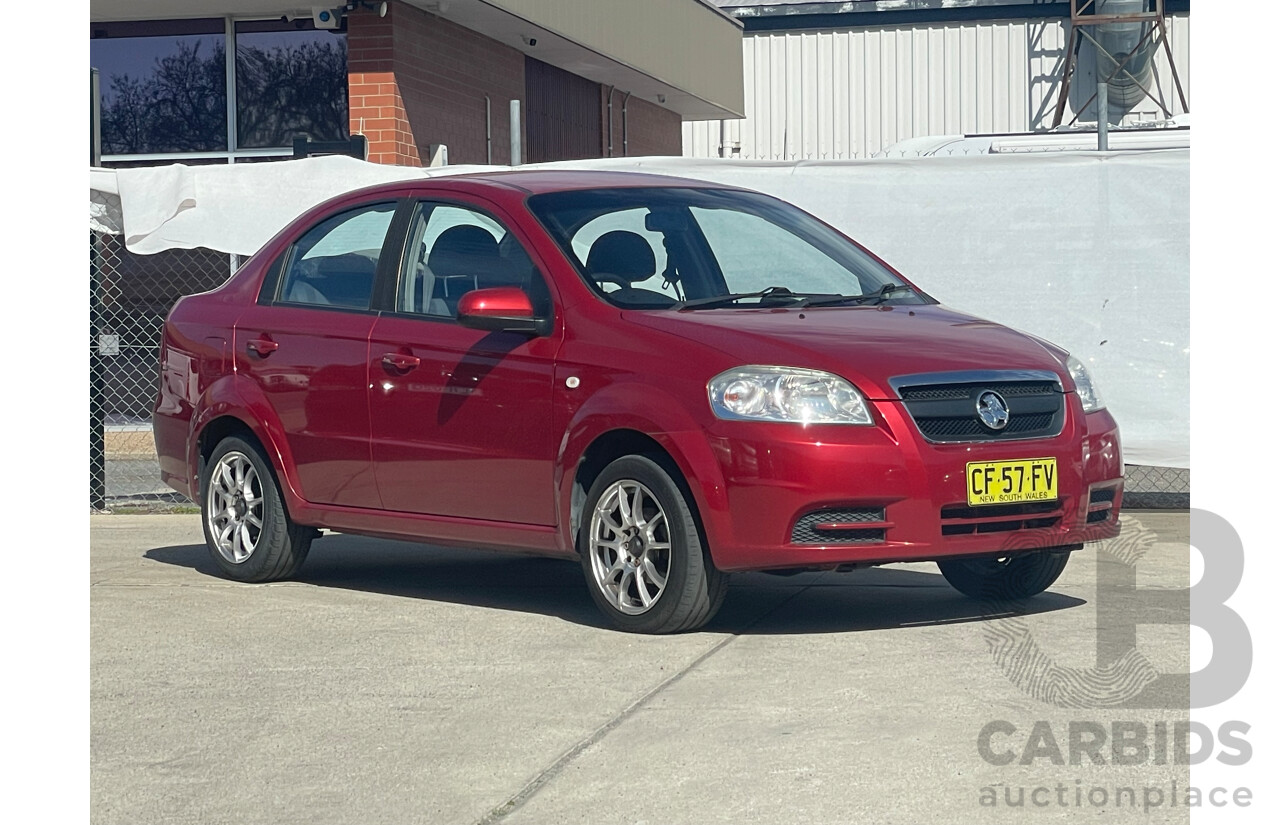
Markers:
(683, 55)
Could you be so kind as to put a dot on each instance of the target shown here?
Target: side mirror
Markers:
(500, 309)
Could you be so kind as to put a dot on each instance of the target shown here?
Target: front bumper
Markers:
(906, 494)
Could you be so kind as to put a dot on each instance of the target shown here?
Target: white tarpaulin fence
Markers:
(1088, 250)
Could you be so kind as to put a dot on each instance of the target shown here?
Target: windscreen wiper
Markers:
(880, 296)
(733, 297)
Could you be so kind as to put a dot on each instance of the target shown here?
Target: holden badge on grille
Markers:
(993, 411)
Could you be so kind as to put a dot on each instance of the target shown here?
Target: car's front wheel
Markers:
(250, 536)
(645, 564)
(1010, 577)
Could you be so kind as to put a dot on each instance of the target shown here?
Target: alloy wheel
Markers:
(630, 546)
(235, 507)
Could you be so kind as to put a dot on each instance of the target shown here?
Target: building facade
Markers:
(422, 80)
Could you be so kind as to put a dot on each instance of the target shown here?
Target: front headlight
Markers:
(1085, 388)
(786, 394)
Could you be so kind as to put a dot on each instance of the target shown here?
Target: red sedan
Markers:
(668, 380)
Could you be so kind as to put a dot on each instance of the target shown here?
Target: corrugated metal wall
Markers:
(852, 93)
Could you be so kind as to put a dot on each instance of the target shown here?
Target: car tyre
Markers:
(1008, 578)
(249, 534)
(646, 566)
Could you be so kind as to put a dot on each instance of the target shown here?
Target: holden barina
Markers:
(667, 380)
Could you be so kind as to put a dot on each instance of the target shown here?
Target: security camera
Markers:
(367, 5)
(323, 17)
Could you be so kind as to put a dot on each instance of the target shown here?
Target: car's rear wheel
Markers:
(644, 560)
(250, 536)
(1010, 577)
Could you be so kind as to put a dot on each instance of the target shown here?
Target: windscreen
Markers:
(677, 248)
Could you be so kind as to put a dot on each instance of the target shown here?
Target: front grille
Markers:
(954, 391)
(944, 429)
(948, 410)
(804, 533)
(1099, 496)
(1028, 508)
(962, 520)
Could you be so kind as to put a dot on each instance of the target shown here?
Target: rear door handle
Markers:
(400, 361)
(262, 346)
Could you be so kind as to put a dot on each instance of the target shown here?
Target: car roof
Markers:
(539, 181)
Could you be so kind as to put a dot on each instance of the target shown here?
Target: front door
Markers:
(461, 418)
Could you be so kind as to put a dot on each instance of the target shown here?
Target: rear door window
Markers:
(334, 263)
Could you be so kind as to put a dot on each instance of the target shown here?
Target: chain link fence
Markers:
(1156, 488)
(130, 297)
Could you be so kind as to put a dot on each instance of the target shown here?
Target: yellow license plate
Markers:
(1008, 482)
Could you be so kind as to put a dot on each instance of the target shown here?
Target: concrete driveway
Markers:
(398, 683)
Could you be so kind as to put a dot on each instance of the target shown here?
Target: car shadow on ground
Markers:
(757, 604)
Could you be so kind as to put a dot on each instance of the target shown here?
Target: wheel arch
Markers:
(217, 429)
(607, 448)
(225, 410)
(610, 445)
(630, 418)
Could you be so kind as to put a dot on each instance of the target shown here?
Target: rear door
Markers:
(461, 418)
(307, 347)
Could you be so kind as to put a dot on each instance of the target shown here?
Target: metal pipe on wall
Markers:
(624, 123)
(610, 129)
(515, 133)
(488, 131)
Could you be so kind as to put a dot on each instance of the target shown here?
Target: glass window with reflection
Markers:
(703, 248)
(290, 79)
(163, 85)
(334, 263)
(452, 250)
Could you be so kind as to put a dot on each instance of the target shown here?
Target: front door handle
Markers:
(262, 346)
(400, 361)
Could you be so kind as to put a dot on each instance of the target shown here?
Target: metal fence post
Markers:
(97, 412)
(1104, 116)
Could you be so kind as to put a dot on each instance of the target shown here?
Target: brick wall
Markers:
(377, 108)
(651, 129)
(417, 80)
